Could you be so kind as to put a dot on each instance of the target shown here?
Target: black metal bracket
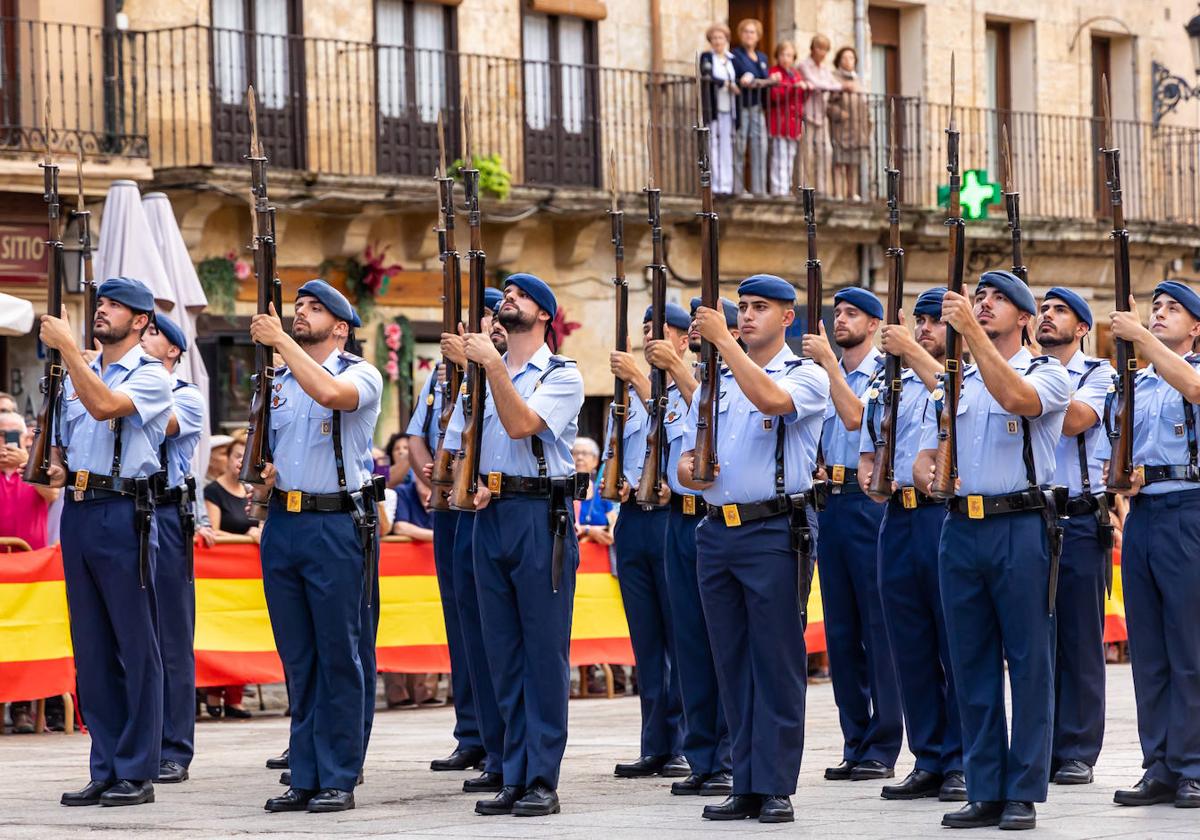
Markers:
(1168, 90)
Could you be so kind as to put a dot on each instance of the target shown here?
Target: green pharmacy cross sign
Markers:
(976, 194)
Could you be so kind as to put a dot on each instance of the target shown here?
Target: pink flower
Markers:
(392, 336)
(241, 269)
(393, 369)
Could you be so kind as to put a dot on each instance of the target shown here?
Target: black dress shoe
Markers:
(361, 778)
(1018, 816)
(285, 778)
(676, 767)
(330, 800)
(776, 809)
(538, 801)
(484, 783)
(460, 759)
(840, 773)
(871, 770)
(954, 787)
(171, 772)
(647, 765)
(293, 799)
(503, 802)
(279, 762)
(1187, 795)
(1073, 772)
(739, 806)
(689, 786)
(918, 784)
(126, 792)
(1146, 792)
(974, 815)
(718, 784)
(90, 795)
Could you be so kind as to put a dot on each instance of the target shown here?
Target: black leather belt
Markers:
(536, 487)
(295, 501)
(981, 507)
(734, 515)
(169, 496)
(103, 486)
(687, 503)
(1170, 472)
(1083, 504)
(910, 498)
(843, 481)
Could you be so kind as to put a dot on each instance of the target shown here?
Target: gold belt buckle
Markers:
(732, 518)
(293, 501)
(908, 497)
(838, 474)
(81, 480)
(495, 483)
(689, 505)
(975, 507)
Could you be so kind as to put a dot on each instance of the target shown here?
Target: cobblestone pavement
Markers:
(401, 796)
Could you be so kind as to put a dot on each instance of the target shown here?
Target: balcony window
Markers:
(412, 40)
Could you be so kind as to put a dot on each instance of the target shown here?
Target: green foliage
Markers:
(494, 179)
(218, 278)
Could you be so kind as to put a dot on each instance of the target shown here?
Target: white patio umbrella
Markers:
(16, 315)
(126, 247)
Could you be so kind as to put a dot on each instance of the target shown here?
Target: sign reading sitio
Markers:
(22, 253)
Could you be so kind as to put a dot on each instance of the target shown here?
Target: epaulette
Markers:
(561, 361)
(791, 363)
(1036, 362)
(1094, 362)
(349, 358)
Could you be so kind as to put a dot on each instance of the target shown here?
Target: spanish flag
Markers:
(35, 635)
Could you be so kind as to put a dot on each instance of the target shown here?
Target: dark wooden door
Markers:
(417, 72)
(762, 11)
(10, 99)
(560, 101)
(258, 42)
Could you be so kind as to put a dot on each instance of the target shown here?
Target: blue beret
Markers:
(492, 298)
(127, 291)
(676, 316)
(171, 331)
(929, 302)
(731, 311)
(332, 299)
(1187, 298)
(1072, 299)
(537, 289)
(768, 286)
(1009, 285)
(861, 298)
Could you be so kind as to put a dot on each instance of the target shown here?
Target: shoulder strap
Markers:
(1026, 431)
(535, 442)
(1081, 438)
(429, 400)
(116, 424)
(1189, 418)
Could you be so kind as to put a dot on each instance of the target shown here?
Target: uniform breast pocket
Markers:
(1174, 418)
(320, 420)
(282, 417)
(1003, 428)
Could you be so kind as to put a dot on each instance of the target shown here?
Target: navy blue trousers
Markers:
(528, 637)
(176, 597)
(1079, 657)
(1160, 573)
(487, 711)
(995, 587)
(466, 727)
(916, 627)
(313, 580)
(114, 630)
(705, 732)
(640, 541)
(860, 661)
(369, 629)
(749, 588)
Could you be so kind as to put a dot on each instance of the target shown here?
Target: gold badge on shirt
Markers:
(1012, 427)
(325, 427)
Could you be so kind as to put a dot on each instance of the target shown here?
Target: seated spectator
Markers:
(411, 517)
(218, 456)
(397, 454)
(7, 403)
(591, 514)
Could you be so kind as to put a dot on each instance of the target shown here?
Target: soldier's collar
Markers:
(777, 362)
(867, 365)
(131, 359)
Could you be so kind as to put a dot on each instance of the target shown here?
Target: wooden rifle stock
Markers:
(442, 480)
(885, 450)
(650, 485)
(614, 456)
(705, 452)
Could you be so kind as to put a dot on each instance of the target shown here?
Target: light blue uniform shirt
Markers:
(1093, 394)
(302, 429)
(914, 405)
(990, 440)
(838, 445)
(676, 424)
(423, 408)
(189, 413)
(637, 427)
(89, 442)
(1160, 427)
(745, 439)
(557, 400)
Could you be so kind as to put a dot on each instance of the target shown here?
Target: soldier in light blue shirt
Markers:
(174, 513)
(1161, 545)
(111, 422)
(996, 564)
(908, 564)
(860, 660)
(752, 544)
(1064, 323)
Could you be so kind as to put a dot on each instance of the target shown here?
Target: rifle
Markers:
(37, 469)
(442, 480)
(614, 456)
(885, 445)
(466, 474)
(814, 282)
(945, 473)
(85, 250)
(1012, 206)
(1120, 471)
(651, 483)
(262, 225)
(704, 465)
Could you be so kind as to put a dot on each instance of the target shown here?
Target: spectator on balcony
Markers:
(787, 114)
(821, 82)
(849, 126)
(751, 66)
(720, 105)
